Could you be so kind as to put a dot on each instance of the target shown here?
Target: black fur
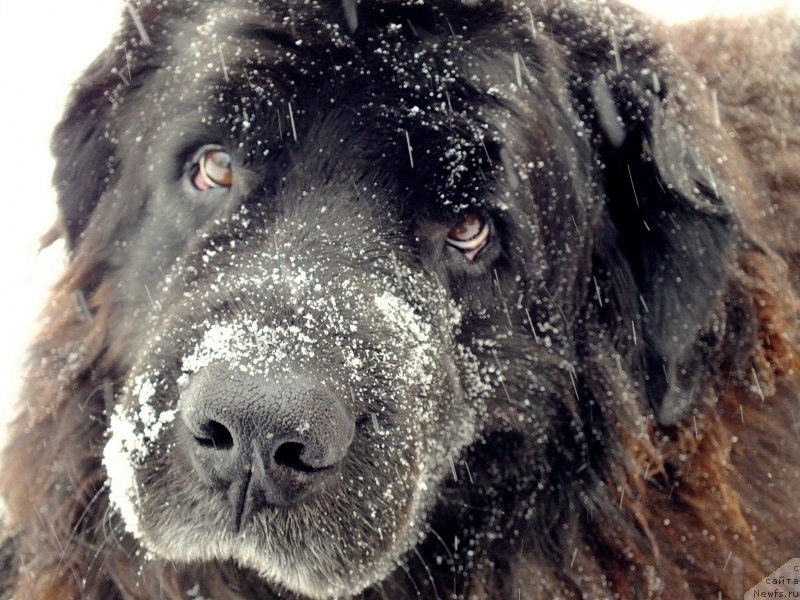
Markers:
(487, 395)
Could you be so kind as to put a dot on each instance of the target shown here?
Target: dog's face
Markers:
(351, 253)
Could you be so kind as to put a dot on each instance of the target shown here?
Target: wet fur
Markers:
(671, 408)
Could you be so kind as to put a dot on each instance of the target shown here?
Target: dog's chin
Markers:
(295, 555)
(335, 544)
(309, 582)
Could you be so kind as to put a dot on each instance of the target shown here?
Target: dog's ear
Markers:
(667, 229)
(83, 147)
(83, 143)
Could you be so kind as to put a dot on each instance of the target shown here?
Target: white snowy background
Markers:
(43, 48)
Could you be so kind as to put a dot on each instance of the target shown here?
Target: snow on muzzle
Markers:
(263, 374)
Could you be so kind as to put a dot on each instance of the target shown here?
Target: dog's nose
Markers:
(262, 442)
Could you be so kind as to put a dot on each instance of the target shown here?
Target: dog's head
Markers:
(349, 251)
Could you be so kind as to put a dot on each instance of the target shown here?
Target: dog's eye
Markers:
(470, 235)
(213, 169)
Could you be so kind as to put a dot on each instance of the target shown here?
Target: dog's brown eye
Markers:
(470, 235)
(213, 170)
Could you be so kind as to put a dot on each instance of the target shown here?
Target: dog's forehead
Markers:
(214, 41)
(253, 74)
(268, 58)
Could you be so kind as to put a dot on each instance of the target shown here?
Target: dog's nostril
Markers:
(215, 435)
(289, 454)
(260, 441)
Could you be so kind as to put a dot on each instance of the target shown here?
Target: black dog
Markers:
(405, 299)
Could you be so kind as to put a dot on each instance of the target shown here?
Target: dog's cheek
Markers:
(137, 445)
